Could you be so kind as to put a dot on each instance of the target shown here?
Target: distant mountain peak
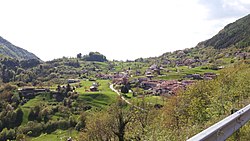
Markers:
(9, 50)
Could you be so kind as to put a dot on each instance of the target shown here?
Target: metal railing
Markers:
(224, 128)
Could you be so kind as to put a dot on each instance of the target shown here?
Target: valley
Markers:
(87, 97)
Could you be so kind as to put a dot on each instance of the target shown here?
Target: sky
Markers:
(119, 29)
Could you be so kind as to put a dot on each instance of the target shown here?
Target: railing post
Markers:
(237, 133)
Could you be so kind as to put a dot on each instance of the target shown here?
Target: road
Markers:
(123, 98)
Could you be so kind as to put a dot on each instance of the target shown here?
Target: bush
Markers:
(50, 127)
(11, 134)
(63, 124)
(80, 125)
(32, 129)
(20, 137)
(3, 134)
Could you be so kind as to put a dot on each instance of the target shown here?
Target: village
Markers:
(156, 87)
(125, 82)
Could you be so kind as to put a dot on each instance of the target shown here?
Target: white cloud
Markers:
(221, 9)
(240, 6)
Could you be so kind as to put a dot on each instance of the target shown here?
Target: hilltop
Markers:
(7, 49)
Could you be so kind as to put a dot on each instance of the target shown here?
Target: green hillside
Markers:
(235, 34)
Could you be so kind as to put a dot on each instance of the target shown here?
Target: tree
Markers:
(112, 125)
(19, 117)
(120, 117)
(72, 121)
(1, 125)
(29, 63)
(79, 56)
(58, 89)
(81, 122)
(124, 89)
(68, 88)
(20, 137)
(95, 56)
(44, 114)
(11, 134)
(98, 128)
(3, 134)
(7, 75)
(34, 113)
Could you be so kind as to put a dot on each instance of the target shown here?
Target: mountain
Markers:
(235, 34)
(7, 49)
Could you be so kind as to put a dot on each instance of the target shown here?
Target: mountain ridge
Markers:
(7, 49)
(234, 34)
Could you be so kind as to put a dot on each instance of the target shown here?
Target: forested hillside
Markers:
(236, 34)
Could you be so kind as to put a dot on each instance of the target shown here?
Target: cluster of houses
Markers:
(104, 76)
(164, 87)
(152, 70)
(205, 76)
(184, 62)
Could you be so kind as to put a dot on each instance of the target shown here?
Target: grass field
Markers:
(152, 100)
(31, 103)
(180, 72)
(103, 97)
(58, 135)
(100, 99)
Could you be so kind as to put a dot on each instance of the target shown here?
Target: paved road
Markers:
(123, 98)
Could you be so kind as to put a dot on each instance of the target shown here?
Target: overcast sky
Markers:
(119, 29)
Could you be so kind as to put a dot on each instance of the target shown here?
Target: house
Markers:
(148, 84)
(93, 88)
(73, 80)
(117, 81)
(187, 82)
(142, 79)
(209, 76)
(194, 76)
(153, 67)
(104, 76)
(148, 73)
(150, 76)
(31, 92)
(137, 73)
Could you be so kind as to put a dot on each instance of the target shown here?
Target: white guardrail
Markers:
(224, 128)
